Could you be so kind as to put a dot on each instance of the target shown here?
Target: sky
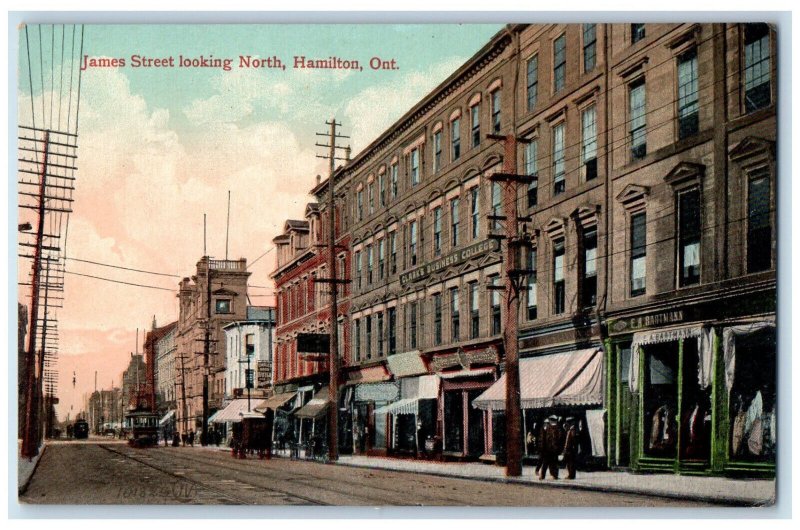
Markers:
(161, 146)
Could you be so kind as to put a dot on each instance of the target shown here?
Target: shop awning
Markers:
(275, 402)
(317, 407)
(658, 336)
(571, 378)
(404, 406)
(427, 387)
(235, 409)
(168, 416)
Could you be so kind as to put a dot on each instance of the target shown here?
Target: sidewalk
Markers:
(717, 490)
(25, 467)
(721, 490)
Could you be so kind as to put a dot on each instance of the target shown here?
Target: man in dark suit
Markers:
(571, 447)
(552, 443)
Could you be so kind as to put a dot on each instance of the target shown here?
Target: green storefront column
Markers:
(720, 413)
(612, 422)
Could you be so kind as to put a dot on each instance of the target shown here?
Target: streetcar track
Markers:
(314, 481)
(205, 486)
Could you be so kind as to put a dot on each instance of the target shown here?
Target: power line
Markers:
(119, 281)
(123, 268)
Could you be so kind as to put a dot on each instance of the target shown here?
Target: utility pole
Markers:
(184, 410)
(516, 248)
(206, 352)
(333, 356)
(30, 436)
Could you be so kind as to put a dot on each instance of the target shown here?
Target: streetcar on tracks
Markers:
(80, 429)
(142, 428)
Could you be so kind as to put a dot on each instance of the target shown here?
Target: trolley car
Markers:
(80, 429)
(142, 428)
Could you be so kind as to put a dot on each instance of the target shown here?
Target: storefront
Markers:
(367, 389)
(408, 422)
(694, 398)
(232, 413)
(567, 385)
(464, 431)
(311, 417)
(277, 409)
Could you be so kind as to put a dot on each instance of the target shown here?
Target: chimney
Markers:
(347, 153)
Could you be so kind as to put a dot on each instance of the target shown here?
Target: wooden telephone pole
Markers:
(333, 355)
(516, 248)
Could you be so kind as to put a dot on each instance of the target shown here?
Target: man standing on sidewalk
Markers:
(571, 447)
(552, 443)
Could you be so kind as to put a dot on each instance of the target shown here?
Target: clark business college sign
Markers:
(455, 258)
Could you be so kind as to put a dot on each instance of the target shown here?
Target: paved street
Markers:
(105, 472)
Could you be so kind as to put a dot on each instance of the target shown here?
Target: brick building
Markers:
(692, 292)
(228, 303)
(651, 152)
(303, 306)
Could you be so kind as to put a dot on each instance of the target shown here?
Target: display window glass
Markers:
(753, 433)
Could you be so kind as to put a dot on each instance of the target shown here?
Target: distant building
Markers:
(228, 303)
(105, 410)
(162, 343)
(252, 338)
(134, 380)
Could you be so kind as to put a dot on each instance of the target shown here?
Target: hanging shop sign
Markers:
(454, 258)
(378, 392)
(264, 373)
(313, 343)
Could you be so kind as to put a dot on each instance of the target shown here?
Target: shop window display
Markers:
(453, 422)
(752, 399)
(695, 408)
(660, 399)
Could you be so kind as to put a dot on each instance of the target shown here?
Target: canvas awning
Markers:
(168, 416)
(235, 409)
(427, 387)
(571, 378)
(275, 402)
(317, 407)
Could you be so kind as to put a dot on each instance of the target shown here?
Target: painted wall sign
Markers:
(454, 258)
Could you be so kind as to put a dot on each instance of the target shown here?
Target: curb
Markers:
(724, 501)
(22, 488)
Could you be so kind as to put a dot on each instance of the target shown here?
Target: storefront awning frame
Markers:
(562, 379)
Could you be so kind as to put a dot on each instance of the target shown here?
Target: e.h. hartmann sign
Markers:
(454, 258)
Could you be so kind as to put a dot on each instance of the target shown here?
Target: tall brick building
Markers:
(649, 308)
(228, 303)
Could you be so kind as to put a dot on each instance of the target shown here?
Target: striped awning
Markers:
(235, 410)
(571, 378)
(168, 416)
(317, 407)
(275, 402)
(404, 406)
(427, 387)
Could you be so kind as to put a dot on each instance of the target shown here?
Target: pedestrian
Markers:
(184, 438)
(191, 438)
(176, 439)
(571, 447)
(552, 443)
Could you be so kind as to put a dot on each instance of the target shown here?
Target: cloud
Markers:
(377, 107)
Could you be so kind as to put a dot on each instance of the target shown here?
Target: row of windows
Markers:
(589, 53)
(384, 189)
(380, 259)
(689, 221)
(376, 335)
